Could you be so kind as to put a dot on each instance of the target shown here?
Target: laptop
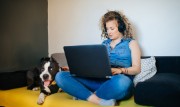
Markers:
(88, 61)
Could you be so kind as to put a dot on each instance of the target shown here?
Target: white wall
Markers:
(76, 22)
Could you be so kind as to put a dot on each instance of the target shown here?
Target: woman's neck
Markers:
(114, 42)
(117, 40)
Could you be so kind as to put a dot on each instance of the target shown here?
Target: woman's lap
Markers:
(118, 87)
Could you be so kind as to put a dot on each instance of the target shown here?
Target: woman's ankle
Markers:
(110, 102)
(94, 99)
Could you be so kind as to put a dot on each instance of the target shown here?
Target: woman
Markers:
(124, 54)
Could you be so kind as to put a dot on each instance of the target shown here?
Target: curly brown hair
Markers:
(123, 24)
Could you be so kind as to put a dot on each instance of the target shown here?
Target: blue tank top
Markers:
(120, 55)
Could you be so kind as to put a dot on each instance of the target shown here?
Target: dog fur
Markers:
(43, 76)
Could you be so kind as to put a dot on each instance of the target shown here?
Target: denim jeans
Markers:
(118, 87)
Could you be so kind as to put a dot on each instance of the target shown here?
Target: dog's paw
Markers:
(41, 98)
(47, 89)
(60, 90)
(35, 89)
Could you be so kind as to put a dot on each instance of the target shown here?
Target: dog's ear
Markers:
(44, 59)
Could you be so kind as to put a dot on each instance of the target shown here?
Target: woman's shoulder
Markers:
(133, 43)
(128, 39)
(132, 40)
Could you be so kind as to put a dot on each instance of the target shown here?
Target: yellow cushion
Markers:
(21, 97)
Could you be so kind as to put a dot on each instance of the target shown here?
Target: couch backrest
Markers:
(60, 58)
(164, 64)
(168, 64)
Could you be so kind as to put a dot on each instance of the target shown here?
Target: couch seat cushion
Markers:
(161, 90)
(21, 97)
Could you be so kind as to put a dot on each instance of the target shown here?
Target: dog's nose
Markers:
(45, 76)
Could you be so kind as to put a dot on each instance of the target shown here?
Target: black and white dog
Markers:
(43, 76)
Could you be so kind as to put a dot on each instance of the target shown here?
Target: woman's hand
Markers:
(116, 71)
(65, 68)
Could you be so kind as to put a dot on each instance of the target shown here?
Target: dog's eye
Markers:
(50, 68)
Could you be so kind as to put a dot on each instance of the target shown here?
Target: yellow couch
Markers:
(21, 97)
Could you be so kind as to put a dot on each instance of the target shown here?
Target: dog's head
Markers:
(48, 69)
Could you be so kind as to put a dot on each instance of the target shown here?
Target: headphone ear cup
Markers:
(122, 27)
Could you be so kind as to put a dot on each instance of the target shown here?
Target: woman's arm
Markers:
(136, 58)
(136, 61)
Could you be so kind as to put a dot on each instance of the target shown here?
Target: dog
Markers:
(43, 76)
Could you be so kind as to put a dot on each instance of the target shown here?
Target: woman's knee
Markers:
(123, 82)
(61, 76)
(125, 86)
